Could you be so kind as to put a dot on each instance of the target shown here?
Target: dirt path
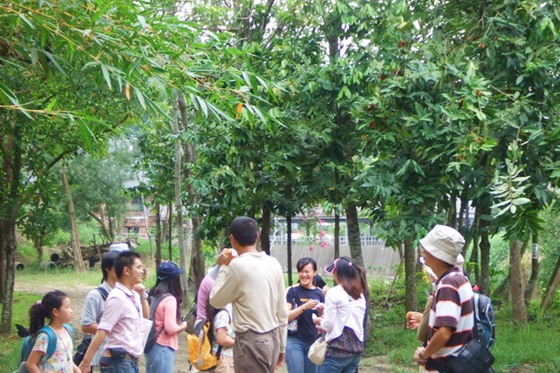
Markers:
(78, 292)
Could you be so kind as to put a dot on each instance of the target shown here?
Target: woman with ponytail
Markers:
(54, 306)
(344, 317)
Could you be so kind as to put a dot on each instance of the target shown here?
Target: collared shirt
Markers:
(91, 314)
(452, 308)
(341, 310)
(254, 284)
(122, 320)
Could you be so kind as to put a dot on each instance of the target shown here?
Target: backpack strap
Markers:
(103, 292)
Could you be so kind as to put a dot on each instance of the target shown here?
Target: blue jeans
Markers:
(296, 357)
(114, 365)
(160, 359)
(340, 364)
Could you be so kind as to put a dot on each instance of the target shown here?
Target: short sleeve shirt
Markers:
(91, 314)
(122, 320)
(61, 359)
(223, 320)
(298, 295)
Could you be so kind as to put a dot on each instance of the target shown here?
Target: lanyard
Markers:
(131, 299)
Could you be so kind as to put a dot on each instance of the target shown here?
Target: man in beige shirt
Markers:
(253, 282)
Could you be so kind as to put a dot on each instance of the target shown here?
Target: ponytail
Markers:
(43, 309)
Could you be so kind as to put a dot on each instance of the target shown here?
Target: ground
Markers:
(78, 293)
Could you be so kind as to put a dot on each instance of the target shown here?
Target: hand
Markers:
(226, 256)
(140, 289)
(280, 360)
(310, 304)
(413, 319)
(418, 359)
(84, 368)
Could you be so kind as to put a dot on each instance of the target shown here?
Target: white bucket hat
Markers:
(444, 243)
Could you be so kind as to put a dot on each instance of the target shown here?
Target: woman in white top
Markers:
(344, 317)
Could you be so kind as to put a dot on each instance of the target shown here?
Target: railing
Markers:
(325, 240)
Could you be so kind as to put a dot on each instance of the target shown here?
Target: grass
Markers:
(531, 348)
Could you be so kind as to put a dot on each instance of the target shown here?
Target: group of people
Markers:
(259, 324)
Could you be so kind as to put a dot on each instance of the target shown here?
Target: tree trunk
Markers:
(197, 256)
(7, 271)
(410, 276)
(197, 265)
(169, 230)
(265, 229)
(159, 238)
(484, 234)
(517, 296)
(535, 264)
(147, 226)
(38, 244)
(336, 235)
(552, 286)
(178, 178)
(354, 233)
(77, 251)
(503, 290)
(289, 245)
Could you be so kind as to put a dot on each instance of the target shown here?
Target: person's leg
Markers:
(309, 366)
(340, 364)
(295, 358)
(256, 353)
(160, 359)
(352, 364)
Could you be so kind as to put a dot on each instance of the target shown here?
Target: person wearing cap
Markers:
(167, 318)
(95, 301)
(344, 317)
(123, 320)
(253, 282)
(451, 319)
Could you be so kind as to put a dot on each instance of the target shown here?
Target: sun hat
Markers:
(167, 270)
(444, 243)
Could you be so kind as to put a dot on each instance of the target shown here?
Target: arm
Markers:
(141, 289)
(90, 329)
(225, 288)
(32, 363)
(169, 309)
(93, 347)
(223, 339)
(437, 342)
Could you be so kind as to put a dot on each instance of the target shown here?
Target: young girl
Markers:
(56, 307)
(167, 318)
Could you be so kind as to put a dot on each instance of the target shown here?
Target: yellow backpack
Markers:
(199, 349)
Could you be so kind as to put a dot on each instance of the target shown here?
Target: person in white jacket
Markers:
(344, 317)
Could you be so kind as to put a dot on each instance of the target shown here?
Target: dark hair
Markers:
(107, 263)
(43, 309)
(305, 261)
(171, 286)
(125, 259)
(245, 230)
(351, 277)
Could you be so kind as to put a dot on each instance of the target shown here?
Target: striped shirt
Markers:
(453, 307)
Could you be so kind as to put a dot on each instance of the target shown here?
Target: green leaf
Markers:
(106, 76)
